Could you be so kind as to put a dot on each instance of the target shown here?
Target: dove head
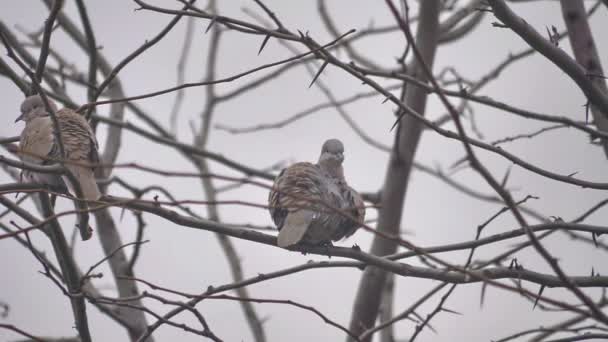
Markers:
(331, 158)
(33, 107)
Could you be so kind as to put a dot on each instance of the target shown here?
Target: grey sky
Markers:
(191, 260)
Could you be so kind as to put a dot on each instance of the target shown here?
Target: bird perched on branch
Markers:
(38, 145)
(312, 203)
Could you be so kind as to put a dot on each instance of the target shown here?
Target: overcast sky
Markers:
(190, 260)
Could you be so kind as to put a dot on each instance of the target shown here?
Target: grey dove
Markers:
(38, 145)
(312, 203)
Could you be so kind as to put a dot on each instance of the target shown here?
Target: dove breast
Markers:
(37, 140)
(36, 143)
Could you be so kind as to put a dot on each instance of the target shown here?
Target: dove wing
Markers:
(80, 147)
(294, 201)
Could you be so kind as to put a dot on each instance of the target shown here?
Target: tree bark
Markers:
(407, 136)
(68, 269)
(585, 53)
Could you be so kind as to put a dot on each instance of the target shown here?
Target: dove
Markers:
(38, 145)
(312, 203)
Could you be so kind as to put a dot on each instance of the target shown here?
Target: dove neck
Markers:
(332, 168)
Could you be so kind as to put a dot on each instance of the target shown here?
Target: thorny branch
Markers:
(52, 74)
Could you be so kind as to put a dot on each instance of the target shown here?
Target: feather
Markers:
(295, 227)
(38, 145)
(80, 148)
(312, 203)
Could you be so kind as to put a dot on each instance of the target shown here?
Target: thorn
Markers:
(213, 20)
(263, 44)
(122, 213)
(459, 162)
(572, 174)
(451, 311)
(540, 292)
(412, 319)
(483, 294)
(318, 73)
(503, 183)
(431, 327)
(594, 237)
(385, 100)
(428, 324)
(553, 36)
(400, 114)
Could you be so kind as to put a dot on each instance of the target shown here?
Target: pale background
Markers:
(191, 260)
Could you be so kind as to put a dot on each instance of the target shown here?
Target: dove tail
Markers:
(295, 226)
(86, 179)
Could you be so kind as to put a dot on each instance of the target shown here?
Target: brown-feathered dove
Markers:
(306, 200)
(38, 145)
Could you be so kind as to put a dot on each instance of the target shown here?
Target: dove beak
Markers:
(20, 117)
(341, 157)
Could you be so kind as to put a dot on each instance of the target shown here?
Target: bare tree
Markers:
(149, 169)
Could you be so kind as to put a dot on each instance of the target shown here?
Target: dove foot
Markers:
(327, 245)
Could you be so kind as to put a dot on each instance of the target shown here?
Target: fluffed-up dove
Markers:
(312, 203)
(38, 145)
